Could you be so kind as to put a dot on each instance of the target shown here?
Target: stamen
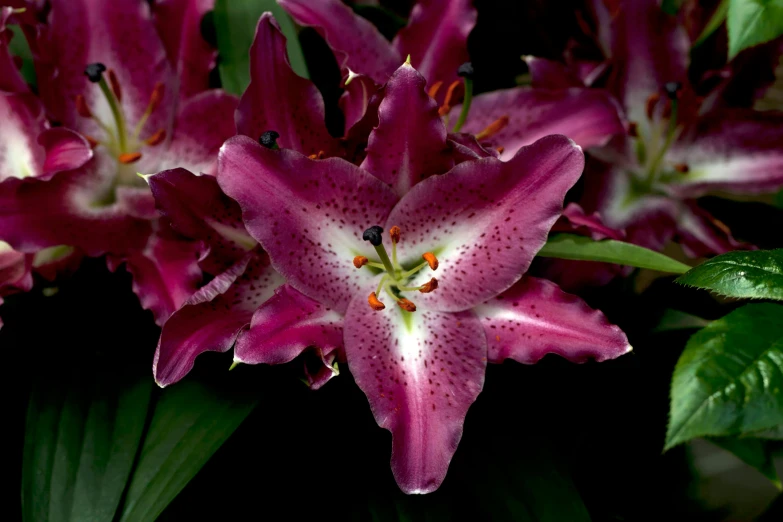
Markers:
(500, 149)
(157, 138)
(449, 100)
(652, 101)
(269, 140)
(682, 168)
(116, 110)
(633, 129)
(115, 85)
(493, 128)
(395, 234)
(431, 260)
(155, 98)
(375, 236)
(321, 155)
(429, 286)
(360, 261)
(466, 72)
(375, 303)
(127, 158)
(92, 141)
(406, 305)
(433, 91)
(82, 108)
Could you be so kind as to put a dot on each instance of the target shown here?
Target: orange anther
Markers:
(633, 129)
(500, 149)
(375, 304)
(360, 261)
(493, 128)
(129, 157)
(157, 138)
(395, 234)
(431, 260)
(82, 108)
(115, 85)
(92, 141)
(406, 305)
(433, 91)
(451, 98)
(156, 97)
(652, 101)
(429, 286)
(682, 168)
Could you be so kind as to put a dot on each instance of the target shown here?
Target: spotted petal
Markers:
(421, 372)
(213, 317)
(279, 100)
(436, 38)
(535, 317)
(409, 142)
(309, 215)
(587, 116)
(485, 220)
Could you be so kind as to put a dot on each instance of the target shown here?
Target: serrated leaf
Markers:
(729, 379)
(81, 438)
(235, 25)
(752, 275)
(571, 246)
(753, 452)
(752, 22)
(189, 423)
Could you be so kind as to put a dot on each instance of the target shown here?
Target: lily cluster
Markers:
(401, 247)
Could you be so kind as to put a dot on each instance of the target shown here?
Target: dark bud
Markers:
(94, 72)
(465, 70)
(374, 235)
(672, 89)
(269, 139)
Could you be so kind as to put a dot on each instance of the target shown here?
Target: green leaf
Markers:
(671, 6)
(189, 423)
(753, 275)
(754, 452)
(718, 17)
(235, 25)
(677, 320)
(728, 380)
(571, 246)
(19, 47)
(81, 438)
(752, 22)
(774, 433)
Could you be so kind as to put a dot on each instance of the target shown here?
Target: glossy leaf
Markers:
(752, 22)
(235, 25)
(728, 380)
(81, 438)
(753, 452)
(571, 246)
(677, 320)
(753, 275)
(189, 423)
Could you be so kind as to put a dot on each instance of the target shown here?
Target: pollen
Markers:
(115, 84)
(156, 97)
(375, 303)
(82, 108)
(431, 260)
(406, 305)
(92, 141)
(493, 128)
(157, 138)
(652, 101)
(682, 168)
(429, 286)
(395, 234)
(433, 91)
(360, 261)
(127, 158)
(451, 98)
(633, 129)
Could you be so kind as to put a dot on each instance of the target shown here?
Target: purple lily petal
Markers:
(296, 112)
(213, 317)
(285, 326)
(355, 41)
(420, 373)
(575, 219)
(737, 151)
(355, 101)
(436, 38)
(204, 122)
(21, 120)
(165, 273)
(485, 220)
(198, 209)
(465, 147)
(548, 74)
(702, 235)
(15, 274)
(11, 80)
(179, 26)
(409, 143)
(122, 36)
(535, 317)
(309, 215)
(65, 150)
(587, 116)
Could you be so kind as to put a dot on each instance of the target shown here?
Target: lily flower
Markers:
(104, 72)
(436, 41)
(421, 319)
(15, 272)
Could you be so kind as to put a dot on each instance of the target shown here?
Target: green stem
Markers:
(385, 259)
(463, 115)
(116, 112)
(412, 271)
(670, 133)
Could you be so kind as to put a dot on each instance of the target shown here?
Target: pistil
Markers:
(94, 73)
(466, 72)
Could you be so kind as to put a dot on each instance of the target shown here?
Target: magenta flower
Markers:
(417, 344)
(104, 72)
(436, 41)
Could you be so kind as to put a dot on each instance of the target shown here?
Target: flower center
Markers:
(125, 146)
(394, 278)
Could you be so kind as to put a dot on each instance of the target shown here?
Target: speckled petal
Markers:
(588, 116)
(212, 318)
(309, 215)
(535, 317)
(485, 220)
(409, 143)
(278, 99)
(355, 41)
(421, 371)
